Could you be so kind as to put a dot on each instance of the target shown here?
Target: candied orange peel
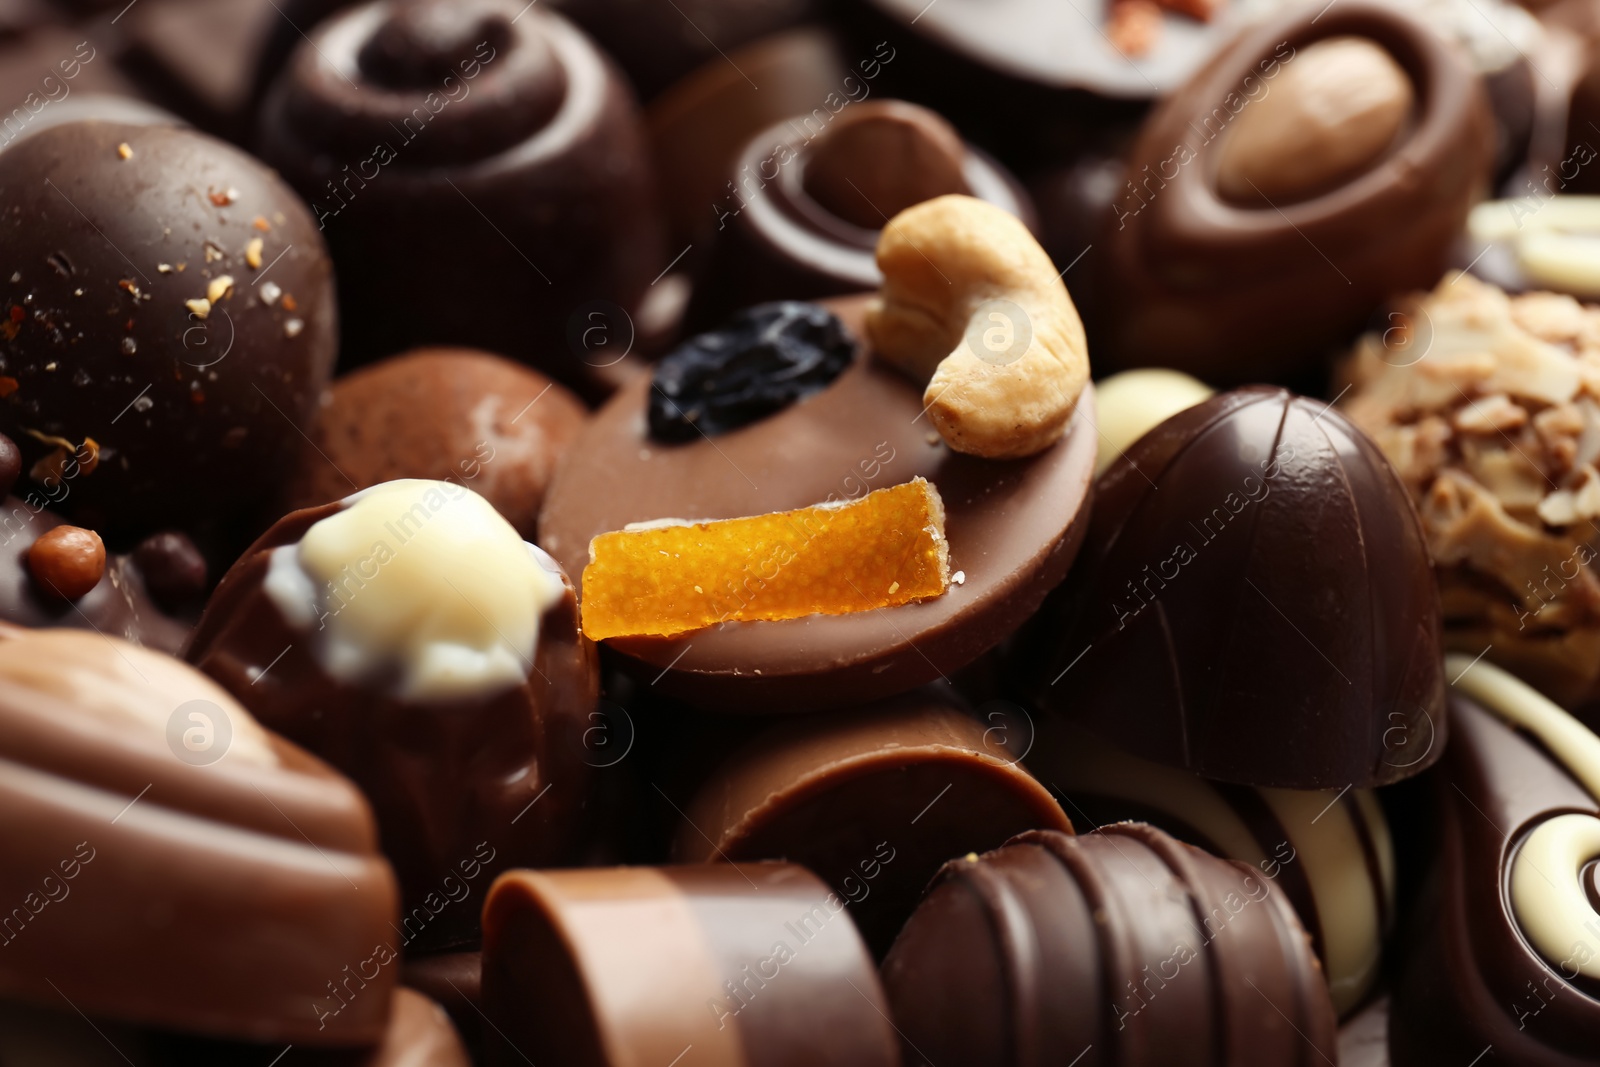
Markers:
(658, 579)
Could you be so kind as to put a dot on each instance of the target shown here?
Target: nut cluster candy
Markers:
(764, 534)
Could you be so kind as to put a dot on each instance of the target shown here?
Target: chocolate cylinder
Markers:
(1121, 946)
(750, 965)
(874, 800)
(484, 135)
(140, 802)
(1232, 289)
(1201, 631)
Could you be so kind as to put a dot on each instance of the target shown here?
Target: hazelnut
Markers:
(68, 561)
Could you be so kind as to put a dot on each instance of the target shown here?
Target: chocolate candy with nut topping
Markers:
(408, 635)
(748, 964)
(187, 340)
(143, 806)
(1254, 604)
(1122, 946)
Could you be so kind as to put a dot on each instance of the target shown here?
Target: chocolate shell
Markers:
(1121, 946)
(1013, 529)
(1254, 604)
(189, 338)
(1232, 290)
(750, 965)
(140, 804)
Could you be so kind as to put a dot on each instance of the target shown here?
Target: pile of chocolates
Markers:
(868, 532)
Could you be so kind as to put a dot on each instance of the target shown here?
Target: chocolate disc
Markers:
(1013, 529)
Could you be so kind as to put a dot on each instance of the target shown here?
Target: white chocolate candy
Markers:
(1556, 240)
(1131, 404)
(419, 586)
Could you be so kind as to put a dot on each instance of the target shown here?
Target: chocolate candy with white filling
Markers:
(193, 364)
(751, 964)
(1255, 604)
(140, 803)
(1122, 946)
(408, 635)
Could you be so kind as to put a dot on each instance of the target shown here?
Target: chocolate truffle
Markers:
(441, 413)
(1254, 604)
(802, 207)
(873, 800)
(749, 964)
(408, 635)
(1013, 528)
(1324, 162)
(479, 168)
(187, 340)
(1509, 954)
(137, 789)
(1121, 946)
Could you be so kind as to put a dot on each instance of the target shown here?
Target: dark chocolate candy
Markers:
(199, 56)
(1232, 290)
(188, 338)
(1254, 603)
(480, 171)
(472, 756)
(455, 980)
(141, 806)
(1121, 946)
(873, 800)
(1013, 529)
(748, 965)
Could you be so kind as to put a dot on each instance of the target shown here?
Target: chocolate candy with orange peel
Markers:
(1255, 604)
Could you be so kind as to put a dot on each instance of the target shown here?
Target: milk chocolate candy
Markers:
(408, 635)
(874, 800)
(1509, 953)
(1323, 163)
(1013, 529)
(1121, 946)
(480, 134)
(143, 806)
(1255, 604)
(800, 211)
(748, 965)
(1327, 851)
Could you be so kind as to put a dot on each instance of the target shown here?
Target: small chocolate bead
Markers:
(173, 568)
(68, 561)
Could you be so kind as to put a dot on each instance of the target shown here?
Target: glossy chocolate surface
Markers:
(1254, 603)
(1013, 529)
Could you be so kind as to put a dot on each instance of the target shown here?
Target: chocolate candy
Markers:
(1328, 851)
(188, 339)
(800, 211)
(1202, 631)
(451, 414)
(1121, 946)
(1233, 287)
(749, 964)
(140, 803)
(1012, 526)
(480, 134)
(873, 800)
(1131, 404)
(1510, 953)
(409, 636)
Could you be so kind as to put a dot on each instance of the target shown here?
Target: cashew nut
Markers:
(973, 306)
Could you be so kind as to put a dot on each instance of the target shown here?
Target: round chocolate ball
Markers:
(167, 320)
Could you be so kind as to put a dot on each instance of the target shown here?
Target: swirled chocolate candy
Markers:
(1509, 954)
(186, 338)
(802, 207)
(1013, 528)
(874, 800)
(479, 169)
(1323, 163)
(408, 635)
(1121, 946)
(171, 864)
(1328, 851)
(1255, 604)
(747, 965)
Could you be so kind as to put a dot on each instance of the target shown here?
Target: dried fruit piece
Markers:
(885, 549)
(67, 561)
(1134, 26)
